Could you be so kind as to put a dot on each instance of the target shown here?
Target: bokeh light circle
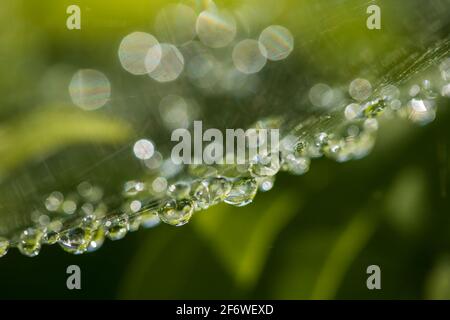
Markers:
(89, 89)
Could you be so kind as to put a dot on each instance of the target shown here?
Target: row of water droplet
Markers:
(352, 138)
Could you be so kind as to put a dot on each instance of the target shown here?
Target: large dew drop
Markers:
(75, 240)
(117, 227)
(219, 188)
(177, 213)
(242, 193)
(30, 242)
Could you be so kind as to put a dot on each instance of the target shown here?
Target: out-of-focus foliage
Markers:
(310, 237)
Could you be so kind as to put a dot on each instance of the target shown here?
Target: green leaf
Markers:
(242, 238)
(46, 131)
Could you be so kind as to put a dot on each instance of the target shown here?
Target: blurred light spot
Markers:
(170, 66)
(216, 29)
(176, 24)
(360, 89)
(446, 90)
(276, 43)
(159, 185)
(421, 111)
(203, 71)
(154, 162)
(247, 57)
(175, 112)
(390, 92)
(143, 149)
(54, 201)
(135, 206)
(69, 207)
(44, 220)
(89, 89)
(133, 51)
(352, 111)
(444, 67)
(321, 95)
(414, 90)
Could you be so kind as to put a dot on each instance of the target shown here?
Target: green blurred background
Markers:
(310, 237)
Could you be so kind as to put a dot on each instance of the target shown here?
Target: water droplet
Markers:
(50, 237)
(216, 29)
(265, 166)
(360, 89)
(179, 190)
(296, 165)
(133, 50)
(421, 111)
(266, 184)
(117, 227)
(242, 192)
(30, 242)
(150, 219)
(97, 240)
(353, 111)
(4, 246)
(75, 240)
(247, 57)
(176, 213)
(200, 194)
(219, 187)
(170, 66)
(89, 89)
(374, 108)
(320, 140)
(276, 43)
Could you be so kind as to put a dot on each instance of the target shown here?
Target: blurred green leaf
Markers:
(43, 132)
(242, 238)
(346, 247)
(438, 282)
